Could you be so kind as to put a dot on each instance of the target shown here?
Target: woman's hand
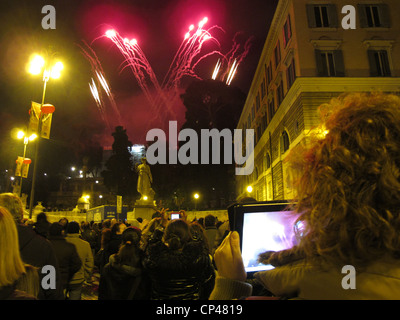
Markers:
(228, 258)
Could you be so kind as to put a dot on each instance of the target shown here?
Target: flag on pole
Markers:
(22, 167)
(34, 113)
(47, 111)
(46, 125)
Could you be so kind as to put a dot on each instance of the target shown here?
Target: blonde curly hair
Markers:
(348, 182)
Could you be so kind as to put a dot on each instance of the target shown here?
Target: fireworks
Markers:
(97, 69)
(190, 53)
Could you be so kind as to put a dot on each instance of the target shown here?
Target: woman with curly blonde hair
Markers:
(347, 190)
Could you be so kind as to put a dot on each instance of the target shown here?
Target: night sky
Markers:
(158, 26)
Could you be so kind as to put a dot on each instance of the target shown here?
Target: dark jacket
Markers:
(42, 228)
(112, 246)
(179, 274)
(37, 251)
(68, 258)
(116, 282)
(92, 237)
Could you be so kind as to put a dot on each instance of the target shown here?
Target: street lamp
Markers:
(37, 66)
(21, 135)
(249, 189)
(196, 197)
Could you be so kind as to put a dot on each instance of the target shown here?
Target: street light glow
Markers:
(56, 70)
(20, 134)
(249, 189)
(196, 196)
(36, 64)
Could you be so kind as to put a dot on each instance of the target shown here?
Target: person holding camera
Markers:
(348, 198)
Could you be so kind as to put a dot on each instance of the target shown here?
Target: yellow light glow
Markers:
(145, 198)
(196, 196)
(20, 134)
(249, 189)
(36, 64)
(56, 70)
(32, 137)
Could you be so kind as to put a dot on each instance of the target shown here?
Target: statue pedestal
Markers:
(142, 209)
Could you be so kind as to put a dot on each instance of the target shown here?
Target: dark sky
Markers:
(159, 27)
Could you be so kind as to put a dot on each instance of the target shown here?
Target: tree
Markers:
(120, 176)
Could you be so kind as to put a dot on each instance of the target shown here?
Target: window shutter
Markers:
(319, 62)
(332, 16)
(384, 15)
(339, 64)
(363, 15)
(311, 16)
(372, 63)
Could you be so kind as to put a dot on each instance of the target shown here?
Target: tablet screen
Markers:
(266, 231)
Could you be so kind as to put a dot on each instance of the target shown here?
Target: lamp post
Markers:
(196, 197)
(37, 64)
(20, 135)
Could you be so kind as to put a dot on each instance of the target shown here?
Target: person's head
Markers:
(56, 229)
(198, 235)
(11, 265)
(73, 227)
(347, 180)
(128, 251)
(209, 221)
(64, 223)
(13, 204)
(118, 228)
(176, 234)
(41, 217)
(106, 223)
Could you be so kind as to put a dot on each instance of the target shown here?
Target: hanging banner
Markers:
(34, 113)
(119, 204)
(47, 115)
(22, 167)
(46, 125)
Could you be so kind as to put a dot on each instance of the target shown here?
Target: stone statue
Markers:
(144, 181)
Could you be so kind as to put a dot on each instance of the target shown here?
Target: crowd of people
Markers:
(157, 259)
(347, 195)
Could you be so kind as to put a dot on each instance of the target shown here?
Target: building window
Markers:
(277, 53)
(322, 16)
(264, 121)
(279, 93)
(258, 101)
(379, 63)
(263, 89)
(267, 161)
(291, 74)
(284, 142)
(329, 63)
(374, 15)
(269, 74)
(287, 32)
(271, 109)
(259, 133)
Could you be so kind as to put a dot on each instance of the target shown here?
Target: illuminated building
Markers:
(307, 59)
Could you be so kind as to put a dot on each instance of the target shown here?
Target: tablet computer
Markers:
(263, 226)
